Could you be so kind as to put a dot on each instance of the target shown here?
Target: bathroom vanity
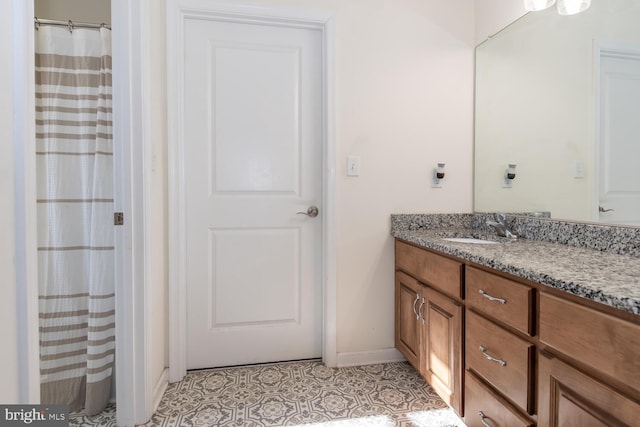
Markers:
(526, 332)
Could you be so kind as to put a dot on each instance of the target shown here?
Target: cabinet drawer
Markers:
(506, 300)
(511, 372)
(601, 341)
(481, 404)
(434, 270)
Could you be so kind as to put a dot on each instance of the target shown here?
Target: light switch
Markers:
(353, 165)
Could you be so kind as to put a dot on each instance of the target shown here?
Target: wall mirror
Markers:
(559, 98)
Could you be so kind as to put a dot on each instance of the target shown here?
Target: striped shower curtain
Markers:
(75, 216)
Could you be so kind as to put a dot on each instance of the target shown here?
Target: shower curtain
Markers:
(75, 216)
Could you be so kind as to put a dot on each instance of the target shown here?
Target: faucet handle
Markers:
(501, 217)
(501, 225)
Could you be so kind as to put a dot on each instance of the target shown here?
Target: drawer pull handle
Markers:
(421, 309)
(500, 362)
(414, 307)
(490, 298)
(483, 419)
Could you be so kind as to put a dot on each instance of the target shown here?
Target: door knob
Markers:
(601, 209)
(311, 212)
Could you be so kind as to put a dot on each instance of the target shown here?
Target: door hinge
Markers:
(118, 218)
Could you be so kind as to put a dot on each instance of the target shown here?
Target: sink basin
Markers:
(470, 240)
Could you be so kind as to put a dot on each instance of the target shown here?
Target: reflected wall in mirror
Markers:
(559, 97)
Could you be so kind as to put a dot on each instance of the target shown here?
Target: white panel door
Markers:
(619, 170)
(253, 159)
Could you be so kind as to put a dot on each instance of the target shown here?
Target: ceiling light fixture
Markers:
(536, 5)
(571, 7)
(565, 7)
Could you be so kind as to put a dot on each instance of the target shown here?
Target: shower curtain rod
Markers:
(71, 25)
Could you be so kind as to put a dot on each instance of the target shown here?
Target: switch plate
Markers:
(353, 165)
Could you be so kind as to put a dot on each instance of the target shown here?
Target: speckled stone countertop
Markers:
(603, 276)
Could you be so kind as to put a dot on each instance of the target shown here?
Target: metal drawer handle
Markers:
(490, 298)
(500, 362)
(420, 310)
(483, 419)
(414, 307)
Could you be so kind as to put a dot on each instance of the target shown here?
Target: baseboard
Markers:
(371, 357)
(159, 389)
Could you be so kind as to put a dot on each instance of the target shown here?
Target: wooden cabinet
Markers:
(597, 340)
(601, 384)
(501, 359)
(408, 324)
(484, 407)
(442, 334)
(435, 271)
(505, 300)
(428, 323)
(496, 309)
(504, 351)
(569, 397)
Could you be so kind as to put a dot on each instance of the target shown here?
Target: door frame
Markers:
(26, 239)
(130, 99)
(602, 49)
(232, 11)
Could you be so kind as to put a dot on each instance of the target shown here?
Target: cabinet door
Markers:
(442, 367)
(570, 398)
(408, 297)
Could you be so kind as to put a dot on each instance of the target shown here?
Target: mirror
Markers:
(544, 103)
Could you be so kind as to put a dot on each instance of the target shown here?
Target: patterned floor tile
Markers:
(335, 404)
(297, 394)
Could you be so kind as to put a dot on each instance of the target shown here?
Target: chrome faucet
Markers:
(501, 225)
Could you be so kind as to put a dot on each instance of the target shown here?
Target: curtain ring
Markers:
(36, 23)
(70, 26)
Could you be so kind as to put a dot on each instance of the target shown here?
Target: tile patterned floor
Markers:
(298, 393)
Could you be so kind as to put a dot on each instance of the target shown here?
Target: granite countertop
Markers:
(608, 278)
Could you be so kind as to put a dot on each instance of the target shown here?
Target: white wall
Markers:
(96, 11)
(8, 326)
(404, 85)
(493, 15)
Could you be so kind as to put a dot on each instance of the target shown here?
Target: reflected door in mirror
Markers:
(619, 137)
